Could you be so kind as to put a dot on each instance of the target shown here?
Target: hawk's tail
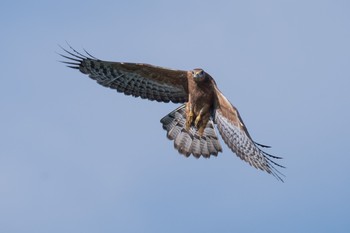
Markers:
(189, 142)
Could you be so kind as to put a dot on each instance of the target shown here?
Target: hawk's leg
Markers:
(202, 120)
(189, 115)
(198, 118)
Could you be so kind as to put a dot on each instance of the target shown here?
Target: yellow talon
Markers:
(198, 118)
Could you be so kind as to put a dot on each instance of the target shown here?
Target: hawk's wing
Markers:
(236, 136)
(139, 80)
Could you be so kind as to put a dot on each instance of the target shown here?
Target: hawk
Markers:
(191, 125)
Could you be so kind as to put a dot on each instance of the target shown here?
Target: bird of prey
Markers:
(191, 125)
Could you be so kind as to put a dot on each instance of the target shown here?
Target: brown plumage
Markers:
(191, 126)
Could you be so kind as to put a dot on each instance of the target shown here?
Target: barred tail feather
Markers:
(189, 142)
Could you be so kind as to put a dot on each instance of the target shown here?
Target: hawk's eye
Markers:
(201, 73)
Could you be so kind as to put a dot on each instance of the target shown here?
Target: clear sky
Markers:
(78, 157)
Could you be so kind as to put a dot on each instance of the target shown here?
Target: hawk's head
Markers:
(198, 74)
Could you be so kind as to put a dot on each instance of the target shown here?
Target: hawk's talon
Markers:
(198, 118)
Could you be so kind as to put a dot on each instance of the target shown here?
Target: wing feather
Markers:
(135, 79)
(236, 136)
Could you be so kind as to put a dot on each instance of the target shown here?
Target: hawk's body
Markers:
(201, 99)
(191, 126)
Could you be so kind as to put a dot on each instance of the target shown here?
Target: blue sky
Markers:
(77, 157)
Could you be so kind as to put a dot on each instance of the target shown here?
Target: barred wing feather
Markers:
(237, 138)
(136, 79)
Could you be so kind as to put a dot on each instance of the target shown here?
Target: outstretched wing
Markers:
(139, 80)
(236, 136)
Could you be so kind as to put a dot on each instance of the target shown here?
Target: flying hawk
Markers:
(190, 126)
